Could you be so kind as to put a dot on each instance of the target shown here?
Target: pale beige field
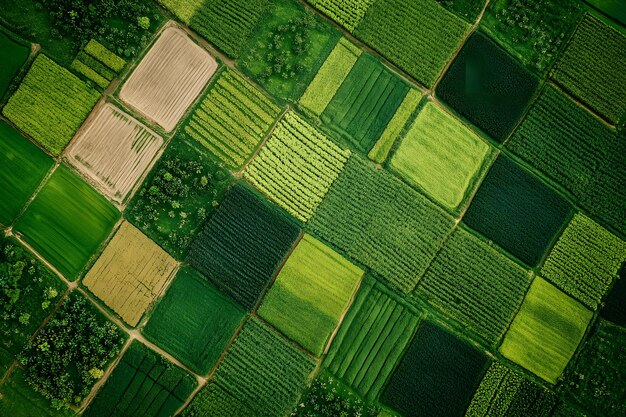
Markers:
(169, 78)
(115, 150)
(130, 274)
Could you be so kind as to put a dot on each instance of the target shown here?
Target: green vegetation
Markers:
(347, 13)
(108, 58)
(616, 9)
(596, 378)
(394, 128)
(438, 146)
(264, 371)
(14, 55)
(373, 217)
(67, 222)
(225, 23)
(418, 36)
(580, 153)
(182, 190)
(28, 293)
(614, 308)
(546, 331)
(194, 321)
(468, 10)
(593, 68)
(287, 49)
(532, 31)
(488, 87)
(372, 338)
(242, 245)
(517, 211)
(585, 261)
(70, 353)
(22, 168)
(297, 166)
(365, 102)
(144, 384)
(506, 393)
(310, 294)
(475, 284)
(50, 104)
(214, 401)
(437, 375)
(232, 119)
(330, 76)
(98, 64)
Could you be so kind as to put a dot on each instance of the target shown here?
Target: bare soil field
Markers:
(115, 150)
(130, 274)
(169, 78)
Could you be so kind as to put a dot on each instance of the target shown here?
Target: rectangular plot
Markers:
(348, 13)
(14, 55)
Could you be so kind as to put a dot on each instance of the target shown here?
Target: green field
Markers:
(347, 13)
(310, 294)
(22, 168)
(546, 331)
(67, 222)
(613, 8)
(193, 321)
(437, 145)
(215, 401)
(14, 55)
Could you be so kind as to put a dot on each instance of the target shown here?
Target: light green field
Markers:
(440, 155)
(330, 76)
(22, 167)
(67, 222)
(310, 294)
(546, 331)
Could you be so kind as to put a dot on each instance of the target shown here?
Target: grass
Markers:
(22, 168)
(438, 146)
(310, 294)
(546, 331)
(14, 56)
(194, 321)
(613, 8)
(67, 222)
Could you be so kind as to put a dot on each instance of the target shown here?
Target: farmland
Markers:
(50, 104)
(169, 78)
(14, 56)
(614, 309)
(310, 294)
(114, 149)
(130, 274)
(23, 167)
(215, 401)
(346, 13)
(436, 144)
(242, 245)
(67, 222)
(232, 119)
(98, 64)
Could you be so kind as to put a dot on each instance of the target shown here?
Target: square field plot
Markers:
(436, 377)
(517, 211)
(22, 168)
(114, 150)
(14, 55)
(50, 104)
(169, 78)
(441, 156)
(67, 222)
(310, 294)
(546, 331)
(487, 86)
(194, 321)
(130, 274)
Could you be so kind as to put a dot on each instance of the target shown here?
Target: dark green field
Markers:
(14, 55)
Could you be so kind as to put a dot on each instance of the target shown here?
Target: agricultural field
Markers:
(232, 119)
(449, 371)
(468, 10)
(22, 168)
(215, 401)
(242, 245)
(67, 222)
(98, 64)
(50, 104)
(612, 8)
(14, 56)
(488, 87)
(194, 321)
(438, 145)
(297, 166)
(371, 339)
(130, 274)
(546, 331)
(114, 150)
(169, 78)
(346, 13)
(614, 306)
(593, 68)
(517, 211)
(310, 294)
(470, 281)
